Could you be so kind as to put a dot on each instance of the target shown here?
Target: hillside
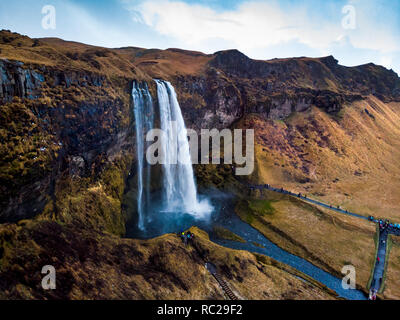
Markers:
(68, 164)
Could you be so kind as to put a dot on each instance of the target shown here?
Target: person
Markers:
(373, 294)
(377, 259)
(189, 236)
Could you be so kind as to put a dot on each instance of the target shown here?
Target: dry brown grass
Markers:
(102, 266)
(329, 240)
(329, 152)
(351, 161)
(392, 282)
(171, 62)
(125, 62)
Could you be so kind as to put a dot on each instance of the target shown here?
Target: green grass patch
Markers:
(257, 244)
(226, 234)
(247, 210)
(389, 244)
(376, 240)
(261, 207)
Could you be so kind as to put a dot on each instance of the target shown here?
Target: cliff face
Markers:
(66, 107)
(16, 81)
(56, 122)
(233, 85)
(67, 156)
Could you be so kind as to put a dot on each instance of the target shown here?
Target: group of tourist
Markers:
(385, 224)
(281, 190)
(186, 237)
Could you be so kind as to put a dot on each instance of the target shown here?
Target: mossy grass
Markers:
(372, 263)
(226, 234)
(389, 244)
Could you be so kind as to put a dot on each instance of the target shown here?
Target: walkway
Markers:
(379, 270)
(297, 195)
(379, 267)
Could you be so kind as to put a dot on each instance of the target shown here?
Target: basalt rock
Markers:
(75, 114)
(74, 122)
(17, 81)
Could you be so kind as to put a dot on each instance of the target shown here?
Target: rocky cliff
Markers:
(73, 103)
(53, 122)
(67, 153)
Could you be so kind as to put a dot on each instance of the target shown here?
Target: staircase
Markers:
(213, 270)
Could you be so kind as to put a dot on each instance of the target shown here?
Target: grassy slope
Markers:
(96, 265)
(352, 161)
(129, 62)
(226, 234)
(58, 53)
(392, 286)
(328, 240)
(311, 146)
(349, 160)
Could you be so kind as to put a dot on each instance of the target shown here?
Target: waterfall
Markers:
(178, 199)
(144, 118)
(179, 187)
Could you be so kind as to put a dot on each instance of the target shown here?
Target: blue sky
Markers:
(354, 31)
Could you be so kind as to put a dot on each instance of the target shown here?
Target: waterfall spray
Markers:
(179, 187)
(144, 117)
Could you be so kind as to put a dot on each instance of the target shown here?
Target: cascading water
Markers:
(179, 188)
(180, 207)
(144, 117)
(177, 203)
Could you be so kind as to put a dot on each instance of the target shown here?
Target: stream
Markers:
(233, 223)
(225, 217)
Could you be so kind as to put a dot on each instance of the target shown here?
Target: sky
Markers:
(353, 31)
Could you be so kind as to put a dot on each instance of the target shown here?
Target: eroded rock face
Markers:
(17, 81)
(56, 122)
(233, 85)
(76, 166)
(79, 115)
(209, 101)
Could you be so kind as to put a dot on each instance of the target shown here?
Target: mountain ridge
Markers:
(68, 155)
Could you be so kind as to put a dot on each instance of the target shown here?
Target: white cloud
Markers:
(387, 61)
(87, 28)
(254, 25)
